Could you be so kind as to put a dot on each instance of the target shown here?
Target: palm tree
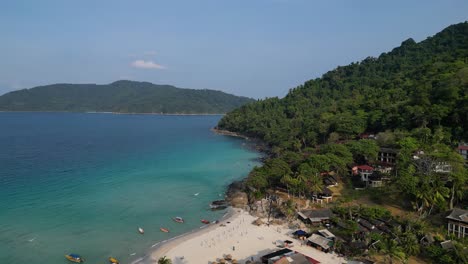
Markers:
(315, 183)
(409, 243)
(392, 250)
(164, 260)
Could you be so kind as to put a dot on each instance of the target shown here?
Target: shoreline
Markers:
(161, 248)
(235, 235)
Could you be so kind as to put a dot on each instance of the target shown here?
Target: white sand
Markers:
(240, 238)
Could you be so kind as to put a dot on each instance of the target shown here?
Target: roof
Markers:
(463, 147)
(277, 253)
(296, 258)
(388, 150)
(300, 232)
(318, 214)
(365, 223)
(448, 244)
(325, 243)
(459, 215)
(326, 233)
(365, 167)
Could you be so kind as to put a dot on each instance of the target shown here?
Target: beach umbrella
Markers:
(228, 257)
(234, 261)
(222, 261)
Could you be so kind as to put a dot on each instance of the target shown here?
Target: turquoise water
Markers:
(84, 183)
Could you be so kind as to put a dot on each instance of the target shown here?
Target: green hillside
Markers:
(415, 86)
(122, 97)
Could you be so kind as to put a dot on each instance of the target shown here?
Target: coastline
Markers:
(161, 248)
(235, 235)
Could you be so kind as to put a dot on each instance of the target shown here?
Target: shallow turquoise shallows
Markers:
(84, 183)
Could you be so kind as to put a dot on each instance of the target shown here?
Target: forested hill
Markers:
(122, 97)
(419, 87)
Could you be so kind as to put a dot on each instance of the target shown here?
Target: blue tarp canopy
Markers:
(300, 233)
(75, 256)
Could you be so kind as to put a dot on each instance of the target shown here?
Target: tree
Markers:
(164, 260)
(364, 150)
(392, 251)
(315, 183)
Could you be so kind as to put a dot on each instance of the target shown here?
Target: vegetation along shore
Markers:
(380, 144)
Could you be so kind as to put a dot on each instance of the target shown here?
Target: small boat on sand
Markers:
(113, 260)
(178, 219)
(74, 258)
(141, 231)
(205, 221)
(165, 230)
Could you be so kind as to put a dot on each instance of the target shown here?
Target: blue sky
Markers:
(256, 48)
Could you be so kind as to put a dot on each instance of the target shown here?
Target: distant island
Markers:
(121, 97)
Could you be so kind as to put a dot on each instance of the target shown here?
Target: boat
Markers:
(74, 258)
(113, 260)
(178, 219)
(205, 221)
(141, 231)
(165, 230)
(219, 204)
(218, 207)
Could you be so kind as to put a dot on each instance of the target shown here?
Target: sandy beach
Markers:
(235, 235)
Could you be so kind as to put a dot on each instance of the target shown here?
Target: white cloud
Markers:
(142, 64)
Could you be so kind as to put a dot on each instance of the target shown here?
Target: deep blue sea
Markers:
(84, 183)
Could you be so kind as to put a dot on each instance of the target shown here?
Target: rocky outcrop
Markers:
(236, 195)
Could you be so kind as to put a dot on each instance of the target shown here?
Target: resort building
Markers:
(463, 150)
(458, 222)
(315, 216)
(319, 242)
(364, 171)
(387, 155)
(295, 258)
(326, 234)
(275, 256)
(326, 195)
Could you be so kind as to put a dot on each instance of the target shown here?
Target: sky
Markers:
(254, 48)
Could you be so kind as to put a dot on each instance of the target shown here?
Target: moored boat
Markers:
(165, 230)
(141, 231)
(74, 258)
(113, 260)
(205, 221)
(178, 219)
(219, 204)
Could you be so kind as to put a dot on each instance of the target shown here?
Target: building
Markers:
(315, 216)
(375, 180)
(326, 195)
(295, 258)
(387, 155)
(276, 255)
(326, 234)
(442, 167)
(463, 150)
(364, 171)
(458, 222)
(319, 242)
